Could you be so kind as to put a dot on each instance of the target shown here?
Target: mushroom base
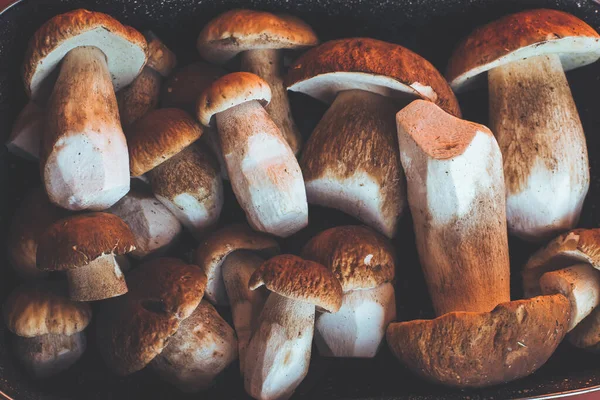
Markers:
(100, 279)
(48, 355)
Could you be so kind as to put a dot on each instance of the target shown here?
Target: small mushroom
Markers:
(278, 354)
(48, 327)
(532, 113)
(263, 170)
(363, 262)
(259, 37)
(83, 156)
(85, 247)
(351, 160)
(26, 135)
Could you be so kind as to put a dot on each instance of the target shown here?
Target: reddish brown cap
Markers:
(299, 279)
(160, 58)
(134, 328)
(158, 136)
(368, 64)
(78, 240)
(358, 256)
(468, 349)
(519, 36)
(239, 30)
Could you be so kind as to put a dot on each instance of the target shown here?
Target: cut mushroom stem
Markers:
(50, 354)
(26, 135)
(268, 64)
(534, 117)
(100, 279)
(580, 284)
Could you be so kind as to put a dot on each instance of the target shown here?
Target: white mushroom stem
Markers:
(278, 355)
(263, 170)
(580, 284)
(140, 97)
(246, 304)
(101, 279)
(586, 335)
(268, 64)
(26, 136)
(534, 118)
(47, 355)
(358, 328)
(85, 163)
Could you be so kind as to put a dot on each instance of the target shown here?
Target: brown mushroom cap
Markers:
(358, 256)
(522, 35)
(292, 277)
(124, 47)
(158, 136)
(78, 240)
(160, 58)
(134, 328)
(42, 308)
(468, 349)
(368, 64)
(240, 30)
(229, 91)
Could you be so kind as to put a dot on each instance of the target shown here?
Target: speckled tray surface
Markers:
(429, 27)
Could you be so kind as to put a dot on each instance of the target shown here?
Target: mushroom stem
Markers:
(84, 158)
(268, 64)
(278, 354)
(49, 354)
(26, 135)
(140, 97)
(263, 171)
(100, 279)
(534, 118)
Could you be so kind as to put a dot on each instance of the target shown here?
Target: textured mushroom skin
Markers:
(50, 354)
(160, 58)
(140, 97)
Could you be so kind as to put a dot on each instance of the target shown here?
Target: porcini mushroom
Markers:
(48, 327)
(363, 261)
(26, 136)
(278, 354)
(260, 38)
(532, 112)
(85, 247)
(586, 335)
(351, 160)
(263, 170)
(83, 156)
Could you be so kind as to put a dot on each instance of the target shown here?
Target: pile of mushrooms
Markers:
(137, 156)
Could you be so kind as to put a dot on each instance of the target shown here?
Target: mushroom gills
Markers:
(100, 279)
(50, 354)
(535, 119)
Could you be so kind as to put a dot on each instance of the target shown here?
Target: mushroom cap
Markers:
(519, 36)
(124, 47)
(229, 91)
(158, 136)
(240, 30)
(368, 64)
(212, 252)
(134, 328)
(43, 307)
(469, 349)
(78, 240)
(160, 58)
(298, 279)
(359, 257)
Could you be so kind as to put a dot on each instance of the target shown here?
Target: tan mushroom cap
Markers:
(158, 136)
(468, 349)
(160, 58)
(368, 64)
(42, 308)
(359, 257)
(240, 30)
(124, 47)
(229, 91)
(134, 328)
(298, 279)
(213, 251)
(573, 247)
(519, 36)
(78, 240)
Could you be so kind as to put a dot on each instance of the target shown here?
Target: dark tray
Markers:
(429, 27)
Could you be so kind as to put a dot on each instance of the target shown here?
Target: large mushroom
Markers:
(83, 157)
(26, 135)
(278, 354)
(48, 327)
(85, 247)
(363, 261)
(351, 161)
(532, 112)
(260, 38)
(263, 170)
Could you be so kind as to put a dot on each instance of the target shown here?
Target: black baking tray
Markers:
(429, 27)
